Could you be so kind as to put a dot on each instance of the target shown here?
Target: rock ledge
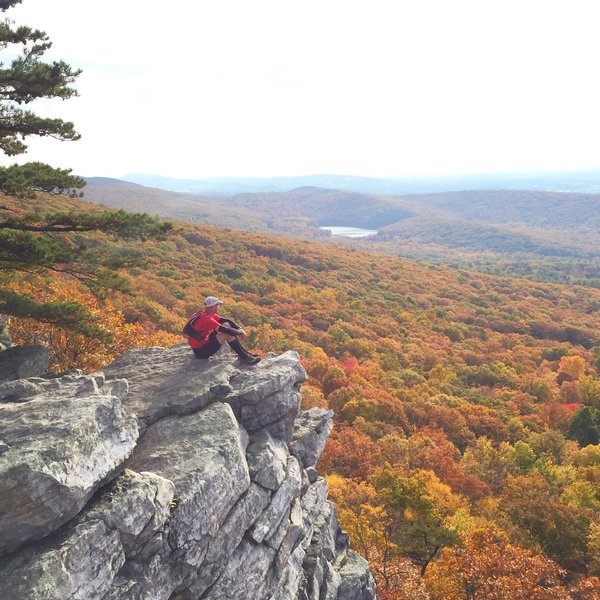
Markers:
(169, 478)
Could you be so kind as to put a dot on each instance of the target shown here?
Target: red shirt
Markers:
(204, 324)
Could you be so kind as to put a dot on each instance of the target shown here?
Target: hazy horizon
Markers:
(567, 181)
(411, 89)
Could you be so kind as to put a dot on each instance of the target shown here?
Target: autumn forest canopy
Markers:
(465, 457)
(467, 405)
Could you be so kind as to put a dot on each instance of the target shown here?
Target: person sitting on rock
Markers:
(207, 332)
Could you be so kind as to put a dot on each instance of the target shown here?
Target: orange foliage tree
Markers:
(488, 567)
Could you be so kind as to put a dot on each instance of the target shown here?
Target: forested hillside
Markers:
(466, 451)
(299, 211)
(546, 236)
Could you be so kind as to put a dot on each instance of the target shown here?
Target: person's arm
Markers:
(191, 332)
(229, 322)
(231, 330)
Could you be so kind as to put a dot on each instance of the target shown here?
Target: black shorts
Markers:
(211, 347)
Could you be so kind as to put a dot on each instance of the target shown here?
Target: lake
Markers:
(351, 232)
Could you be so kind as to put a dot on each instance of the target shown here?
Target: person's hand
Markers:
(242, 335)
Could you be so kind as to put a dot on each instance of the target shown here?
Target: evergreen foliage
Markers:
(28, 78)
(50, 240)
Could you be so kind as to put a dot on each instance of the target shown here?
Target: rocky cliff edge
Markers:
(166, 477)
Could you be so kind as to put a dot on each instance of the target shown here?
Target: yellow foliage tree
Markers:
(590, 390)
(363, 516)
(71, 350)
(573, 366)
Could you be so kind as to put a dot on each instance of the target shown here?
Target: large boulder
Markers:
(267, 398)
(84, 558)
(267, 459)
(203, 455)
(20, 362)
(57, 450)
(311, 430)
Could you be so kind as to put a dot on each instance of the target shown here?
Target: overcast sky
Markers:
(194, 89)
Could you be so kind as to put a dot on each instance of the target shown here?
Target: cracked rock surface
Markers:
(169, 478)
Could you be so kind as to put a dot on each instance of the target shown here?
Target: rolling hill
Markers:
(132, 197)
(545, 235)
(289, 212)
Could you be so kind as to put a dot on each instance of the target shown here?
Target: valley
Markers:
(539, 235)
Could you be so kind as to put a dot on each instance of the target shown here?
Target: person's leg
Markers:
(237, 347)
(212, 346)
(217, 339)
(246, 356)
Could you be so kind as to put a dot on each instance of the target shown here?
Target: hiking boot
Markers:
(251, 359)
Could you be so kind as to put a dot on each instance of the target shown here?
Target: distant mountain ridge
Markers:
(552, 236)
(275, 212)
(527, 212)
(567, 181)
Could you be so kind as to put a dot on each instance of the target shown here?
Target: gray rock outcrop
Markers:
(166, 477)
(21, 362)
(5, 339)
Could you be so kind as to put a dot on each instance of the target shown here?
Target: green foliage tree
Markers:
(533, 505)
(584, 426)
(419, 530)
(523, 456)
(46, 241)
